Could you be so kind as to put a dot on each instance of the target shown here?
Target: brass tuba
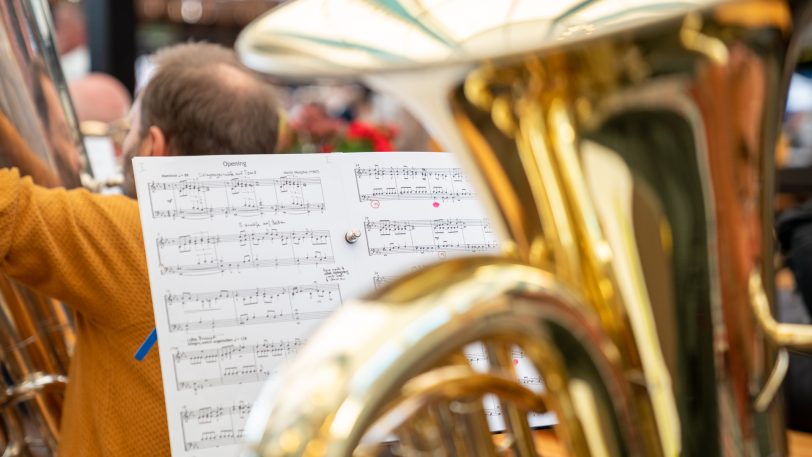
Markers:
(625, 152)
(39, 136)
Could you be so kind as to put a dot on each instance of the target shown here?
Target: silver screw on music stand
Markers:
(352, 235)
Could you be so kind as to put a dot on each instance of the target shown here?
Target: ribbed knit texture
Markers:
(87, 251)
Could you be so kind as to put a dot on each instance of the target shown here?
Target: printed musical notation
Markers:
(412, 183)
(246, 257)
(531, 381)
(204, 199)
(476, 357)
(213, 426)
(231, 363)
(493, 410)
(423, 236)
(378, 280)
(524, 372)
(202, 253)
(232, 308)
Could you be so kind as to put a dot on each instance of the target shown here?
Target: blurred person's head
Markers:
(200, 101)
(196, 54)
(313, 119)
(190, 54)
(70, 26)
(99, 97)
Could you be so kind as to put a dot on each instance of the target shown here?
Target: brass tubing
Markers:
(515, 419)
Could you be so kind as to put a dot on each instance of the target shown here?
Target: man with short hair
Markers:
(196, 108)
(87, 250)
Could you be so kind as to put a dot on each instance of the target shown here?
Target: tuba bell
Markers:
(624, 150)
(39, 136)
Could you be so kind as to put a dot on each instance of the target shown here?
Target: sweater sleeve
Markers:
(81, 248)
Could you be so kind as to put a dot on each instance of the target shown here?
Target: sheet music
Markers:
(247, 255)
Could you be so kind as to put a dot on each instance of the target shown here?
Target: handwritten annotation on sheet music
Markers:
(247, 256)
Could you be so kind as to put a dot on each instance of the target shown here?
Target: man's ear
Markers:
(157, 141)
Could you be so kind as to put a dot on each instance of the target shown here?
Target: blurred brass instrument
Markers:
(39, 136)
(625, 152)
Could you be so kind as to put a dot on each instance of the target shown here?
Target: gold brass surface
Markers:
(625, 153)
(39, 136)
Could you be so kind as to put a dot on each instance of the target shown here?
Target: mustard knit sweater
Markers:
(87, 251)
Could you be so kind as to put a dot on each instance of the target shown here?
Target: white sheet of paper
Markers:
(247, 255)
(102, 156)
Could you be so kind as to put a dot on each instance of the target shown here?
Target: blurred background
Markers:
(105, 45)
(105, 48)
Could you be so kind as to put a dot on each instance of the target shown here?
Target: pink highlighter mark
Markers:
(436, 204)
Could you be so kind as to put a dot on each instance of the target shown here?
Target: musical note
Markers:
(202, 253)
(204, 199)
(232, 308)
(493, 411)
(379, 280)
(531, 381)
(386, 237)
(231, 363)
(474, 357)
(214, 426)
(411, 183)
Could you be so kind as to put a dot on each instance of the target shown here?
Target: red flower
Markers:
(378, 137)
(360, 131)
(381, 144)
(314, 131)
